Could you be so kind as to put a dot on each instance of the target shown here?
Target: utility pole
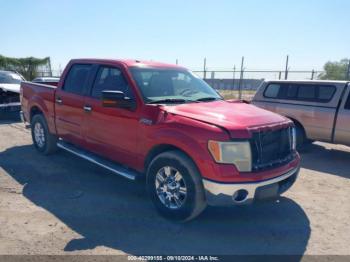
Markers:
(286, 72)
(205, 68)
(241, 79)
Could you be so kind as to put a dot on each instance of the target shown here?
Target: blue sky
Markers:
(264, 31)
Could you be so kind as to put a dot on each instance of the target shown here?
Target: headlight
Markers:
(237, 153)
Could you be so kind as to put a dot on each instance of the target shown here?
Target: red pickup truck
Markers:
(161, 122)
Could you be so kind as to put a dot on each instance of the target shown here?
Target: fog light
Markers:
(240, 195)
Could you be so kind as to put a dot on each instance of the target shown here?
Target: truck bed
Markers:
(34, 95)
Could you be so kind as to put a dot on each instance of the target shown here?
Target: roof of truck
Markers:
(309, 81)
(127, 62)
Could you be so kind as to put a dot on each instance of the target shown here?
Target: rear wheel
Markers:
(175, 186)
(300, 135)
(302, 141)
(44, 142)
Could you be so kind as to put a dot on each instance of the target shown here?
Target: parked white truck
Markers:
(320, 110)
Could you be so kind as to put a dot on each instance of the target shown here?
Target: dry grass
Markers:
(234, 94)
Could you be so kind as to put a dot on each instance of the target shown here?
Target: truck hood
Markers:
(238, 118)
(10, 87)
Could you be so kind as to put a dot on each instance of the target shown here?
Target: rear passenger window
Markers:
(307, 92)
(272, 90)
(76, 79)
(326, 92)
(292, 91)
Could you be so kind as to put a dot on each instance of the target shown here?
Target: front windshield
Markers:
(10, 78)
(172, 85)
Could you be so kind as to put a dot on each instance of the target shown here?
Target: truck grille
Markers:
(271, 149)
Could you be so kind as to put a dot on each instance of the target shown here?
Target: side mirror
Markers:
(117, 99)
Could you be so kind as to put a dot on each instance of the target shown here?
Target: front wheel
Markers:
(175, 186)
(43, 140)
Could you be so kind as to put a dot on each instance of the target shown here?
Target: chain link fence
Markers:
(48, 73)
(236, 84)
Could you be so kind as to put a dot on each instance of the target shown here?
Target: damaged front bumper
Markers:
(224, 194)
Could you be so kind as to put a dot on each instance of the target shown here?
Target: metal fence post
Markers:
(312, 74)
(212, 78)
(205, 68)
(286, 71)
(234, 76)
(279, 75)
(241, 80)
(348, 73)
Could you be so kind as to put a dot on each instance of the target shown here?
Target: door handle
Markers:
(59, 101)
(87, 108)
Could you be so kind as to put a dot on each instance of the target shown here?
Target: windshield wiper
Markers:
(207, 99)
(169, 100)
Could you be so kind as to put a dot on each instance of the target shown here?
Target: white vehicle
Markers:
(9, 91)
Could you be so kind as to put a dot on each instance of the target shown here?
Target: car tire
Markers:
(180, 195)
(300, 136)
(43, 140)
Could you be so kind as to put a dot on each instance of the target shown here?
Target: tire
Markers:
(308, 141)
(301, 138)
(43, 140)
(185, 206)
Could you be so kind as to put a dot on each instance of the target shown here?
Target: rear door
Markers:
(70, 104)
(342, 129)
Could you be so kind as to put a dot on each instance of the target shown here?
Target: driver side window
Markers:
(110, 78)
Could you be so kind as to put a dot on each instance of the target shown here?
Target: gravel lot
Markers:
(64, 205)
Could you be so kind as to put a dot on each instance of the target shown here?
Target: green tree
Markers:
(336, 70)
(28, 66)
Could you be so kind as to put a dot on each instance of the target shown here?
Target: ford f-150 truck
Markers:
(161, 122)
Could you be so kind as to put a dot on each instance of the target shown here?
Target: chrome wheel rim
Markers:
(39, 134)
(171, 187)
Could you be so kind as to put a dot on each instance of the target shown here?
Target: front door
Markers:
(111, 132)
(69, 104)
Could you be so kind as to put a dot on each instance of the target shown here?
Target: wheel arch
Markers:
(298, 123)
(161, 148)
(34, 110)
(39, 107)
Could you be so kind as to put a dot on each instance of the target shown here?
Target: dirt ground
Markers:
(64, 205)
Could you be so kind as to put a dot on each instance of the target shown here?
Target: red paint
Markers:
(119, 135)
